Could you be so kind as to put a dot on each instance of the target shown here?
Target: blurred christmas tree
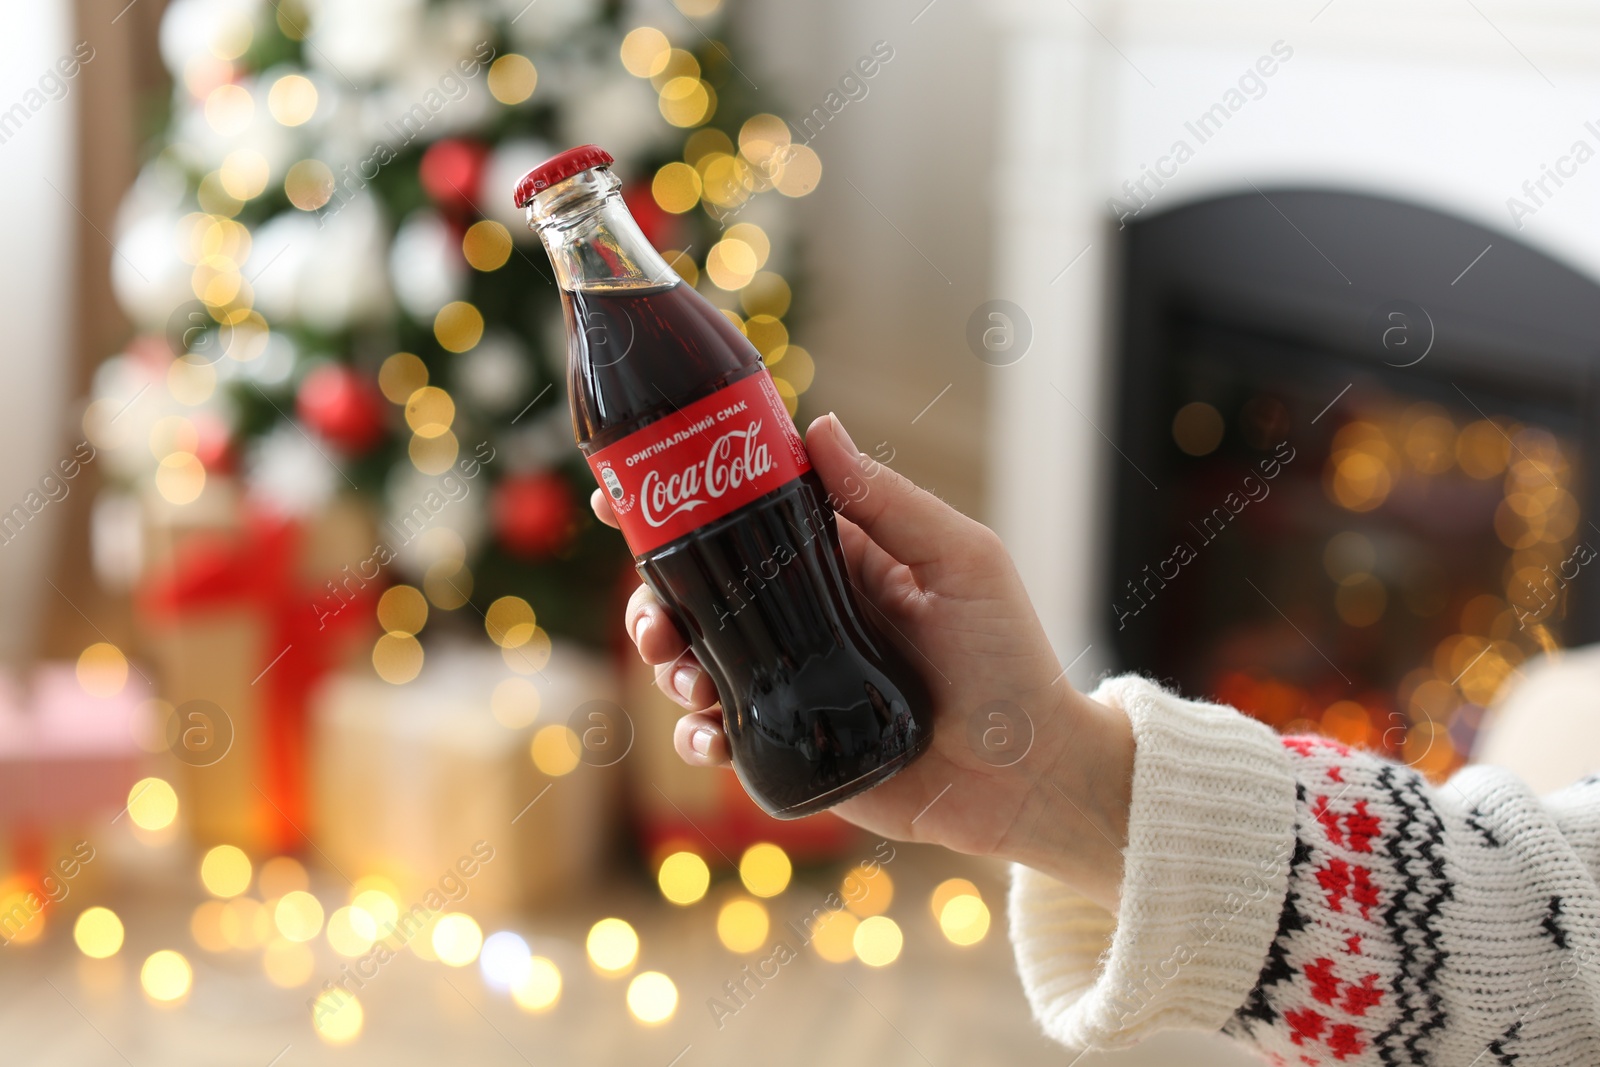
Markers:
(335, 293)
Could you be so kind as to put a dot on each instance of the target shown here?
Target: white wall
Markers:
(897, 240)
(37, 232)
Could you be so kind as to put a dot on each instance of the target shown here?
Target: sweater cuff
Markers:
(1211, 831)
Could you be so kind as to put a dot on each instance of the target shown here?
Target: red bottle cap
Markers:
(559, 168)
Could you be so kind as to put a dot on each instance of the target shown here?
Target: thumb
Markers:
(910, 523)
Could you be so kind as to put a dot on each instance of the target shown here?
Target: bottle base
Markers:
(870, 780)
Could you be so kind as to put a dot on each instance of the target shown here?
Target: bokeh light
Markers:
(337, 1017)
(402, 609)
(765, 870)
(612, 945)
(298, 916)
(430, 411)
(510, 621)
(434, 455)
(229, 109)
(1197, 428)
(486, 245)
(351, 930)
(401, 375)
(152, 804)
(225, 871)
(742, 925)
(676, 188)
(280, 875)
(948, 890)
(555, 750)
(308, 184)
(644, 52)
(964, 920)
(504, 960)
(800, 172)
(652, 998)
(833, 936)
(456, 939)
(98, 933)
(512, 78)
(540, 986)
(867, 890)
(166, 976)
(102, 670)
(683, 877)
(292, 100)
(397, 658)
(687, 101)
(458, 326)
(877, 941)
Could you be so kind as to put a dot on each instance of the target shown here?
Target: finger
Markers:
(651, 629)
(602, 509)
(913, 525)
(699, 739)
(686, 682)
(870, 566)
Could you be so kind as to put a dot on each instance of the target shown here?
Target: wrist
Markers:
(1072, 820)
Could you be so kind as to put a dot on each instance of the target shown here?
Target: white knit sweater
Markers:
(1325, 906)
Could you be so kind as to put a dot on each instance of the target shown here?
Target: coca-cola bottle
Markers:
(730, 527)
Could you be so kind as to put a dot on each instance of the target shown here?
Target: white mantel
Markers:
(1431, 102)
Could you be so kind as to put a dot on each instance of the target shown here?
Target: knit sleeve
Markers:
(1324, 906)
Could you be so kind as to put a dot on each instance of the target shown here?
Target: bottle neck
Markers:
(592, 238)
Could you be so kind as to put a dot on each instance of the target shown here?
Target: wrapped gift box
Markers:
(239, 615)
(408, 779)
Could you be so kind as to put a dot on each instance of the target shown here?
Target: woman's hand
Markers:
(940, 585)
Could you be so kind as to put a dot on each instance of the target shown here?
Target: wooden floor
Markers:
(937, 1005)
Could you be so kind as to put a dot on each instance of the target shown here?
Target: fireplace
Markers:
(1354, 463)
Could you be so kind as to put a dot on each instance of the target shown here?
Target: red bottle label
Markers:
(700, 463)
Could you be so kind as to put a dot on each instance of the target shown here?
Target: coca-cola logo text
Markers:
(735, 458)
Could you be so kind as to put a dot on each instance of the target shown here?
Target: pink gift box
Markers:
(64, 753)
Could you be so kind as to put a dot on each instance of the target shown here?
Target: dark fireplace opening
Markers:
(1357, 444)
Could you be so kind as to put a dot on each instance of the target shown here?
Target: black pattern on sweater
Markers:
(1498, 1045)
(1415, 847)
(1276, 970)
(1552, 923)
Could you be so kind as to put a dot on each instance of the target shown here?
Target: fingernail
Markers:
(683, 680)
(844, 437)
(638, 627)
(700, 741)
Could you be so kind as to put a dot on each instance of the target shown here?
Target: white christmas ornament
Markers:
(426, 265)
(619, 113)
(507, 163)
(494, 375)
(290, 473)
(328, 271)
(430, 516)
(148, 277)
(363, 40)
(191, 28)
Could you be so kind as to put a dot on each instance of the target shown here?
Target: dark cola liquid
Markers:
(817, 704)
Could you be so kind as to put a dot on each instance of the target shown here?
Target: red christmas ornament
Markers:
(659, 226)
(534, 515)
(450, 172)
(342, 406)
(213, 444)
